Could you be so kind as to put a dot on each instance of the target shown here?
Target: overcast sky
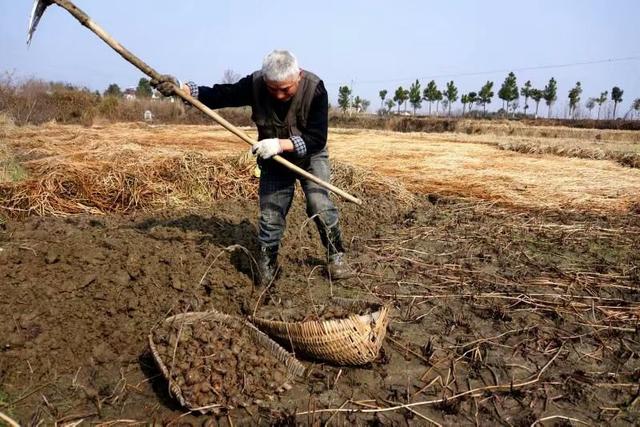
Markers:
(370, 45)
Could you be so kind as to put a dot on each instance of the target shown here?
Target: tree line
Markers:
(415, 95)
(509, 93)
(143, 90)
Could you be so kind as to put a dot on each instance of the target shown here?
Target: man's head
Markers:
(281, 74)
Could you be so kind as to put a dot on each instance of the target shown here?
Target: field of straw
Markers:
(486, 167)
(120, 167)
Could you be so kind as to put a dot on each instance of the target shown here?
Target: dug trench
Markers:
(498, 316)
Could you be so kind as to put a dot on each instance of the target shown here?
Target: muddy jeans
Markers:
(277, 185)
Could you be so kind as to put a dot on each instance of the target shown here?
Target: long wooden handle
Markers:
(85, 20)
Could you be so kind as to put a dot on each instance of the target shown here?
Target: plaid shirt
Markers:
(193, 89)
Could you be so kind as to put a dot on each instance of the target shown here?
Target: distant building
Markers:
(129, 94)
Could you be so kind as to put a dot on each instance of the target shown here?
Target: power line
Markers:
(480, 73)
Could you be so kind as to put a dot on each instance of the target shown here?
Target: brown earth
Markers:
(514, 281)
(499, 318)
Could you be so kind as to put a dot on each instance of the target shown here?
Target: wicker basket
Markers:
(354, 340)
(293, 366)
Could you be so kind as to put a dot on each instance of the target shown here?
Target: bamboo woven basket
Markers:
(354, 340)
(293, 366)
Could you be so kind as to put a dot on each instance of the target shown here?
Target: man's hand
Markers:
(166, 85)
(267, 148)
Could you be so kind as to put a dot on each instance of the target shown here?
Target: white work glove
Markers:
(266, 148)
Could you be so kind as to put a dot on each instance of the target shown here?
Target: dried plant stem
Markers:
(471, 392)
(10, 421)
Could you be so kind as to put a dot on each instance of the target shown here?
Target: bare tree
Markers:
(229, 76)
(636, 105)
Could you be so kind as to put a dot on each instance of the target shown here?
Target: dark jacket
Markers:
(304, 116)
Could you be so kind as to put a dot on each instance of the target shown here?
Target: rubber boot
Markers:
(337, 267)
(267, 265)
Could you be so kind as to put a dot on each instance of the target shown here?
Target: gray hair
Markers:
(280, 66)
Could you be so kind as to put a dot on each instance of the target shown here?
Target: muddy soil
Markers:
(500, 317)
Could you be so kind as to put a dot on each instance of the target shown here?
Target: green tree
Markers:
(406, 98)
(401, 96)
(390, 104)
(365, 105)
(144, 88)
(439, 97)
(601, 100)
(451, 94)
(526, 92)
(472, 97)
(636, 105)
(113, 90)
(485, 95)
(616, 97)
(415, 96)
(591, 103)
(537, 95)
(344, 98)
(383, 95)
(550, 94)
(430, 93)
(357, 104)
(574, 98)
(464, 99)
(509, 90)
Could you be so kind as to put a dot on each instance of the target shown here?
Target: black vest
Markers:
(263, 113)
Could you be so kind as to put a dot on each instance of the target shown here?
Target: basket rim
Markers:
(381, 310)
(363, 318)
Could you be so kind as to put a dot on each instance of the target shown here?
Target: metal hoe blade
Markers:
(39, 7)
(36, 13)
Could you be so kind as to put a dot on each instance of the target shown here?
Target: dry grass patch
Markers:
(133, 165)
(127, 167)
(10, 168)
(519, 129)
(462, 165)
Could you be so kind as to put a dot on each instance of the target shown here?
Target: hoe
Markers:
(39, 7)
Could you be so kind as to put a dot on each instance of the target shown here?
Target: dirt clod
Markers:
(216, 363)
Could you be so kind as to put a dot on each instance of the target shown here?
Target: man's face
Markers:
(283, 91)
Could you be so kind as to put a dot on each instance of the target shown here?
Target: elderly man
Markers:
(290, 109)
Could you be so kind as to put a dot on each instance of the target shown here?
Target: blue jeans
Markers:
(277, 185)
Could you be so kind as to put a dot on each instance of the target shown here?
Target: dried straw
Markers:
(99, 182)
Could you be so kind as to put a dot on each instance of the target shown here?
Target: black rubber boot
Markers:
(337, 267)
(267, 265)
